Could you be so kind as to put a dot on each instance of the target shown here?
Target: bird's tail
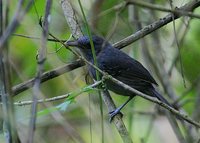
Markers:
(160, 97)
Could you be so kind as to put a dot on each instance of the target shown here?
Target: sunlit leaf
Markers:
(61, 107)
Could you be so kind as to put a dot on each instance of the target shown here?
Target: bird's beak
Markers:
(73, 43)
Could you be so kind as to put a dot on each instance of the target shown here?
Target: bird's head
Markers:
(83, 43)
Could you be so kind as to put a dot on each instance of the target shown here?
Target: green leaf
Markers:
(61, 107)
(70, 99)
(47, 111)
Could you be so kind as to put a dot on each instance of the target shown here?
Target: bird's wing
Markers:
(124, 68)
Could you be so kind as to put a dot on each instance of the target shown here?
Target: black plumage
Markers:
(120, 66)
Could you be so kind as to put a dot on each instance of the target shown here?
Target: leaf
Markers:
(70, 99)
(46, 111)
(61, 107)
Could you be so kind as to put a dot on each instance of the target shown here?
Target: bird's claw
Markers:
(114, 113)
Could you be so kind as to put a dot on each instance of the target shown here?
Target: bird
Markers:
(120, 66)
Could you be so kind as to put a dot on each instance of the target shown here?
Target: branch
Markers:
(118, 122)
(153, 99)
(40, 67)
(23, 103)
(71, 19)
(178, 11)
(36, 38)
(156, 25)
(47, 76)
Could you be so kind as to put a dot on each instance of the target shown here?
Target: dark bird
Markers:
(119, 65)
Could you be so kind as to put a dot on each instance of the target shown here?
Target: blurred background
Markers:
(171, 54)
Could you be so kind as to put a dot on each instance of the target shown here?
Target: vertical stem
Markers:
(96, 64)
(41, 59)
(1, 85)
(5, 84)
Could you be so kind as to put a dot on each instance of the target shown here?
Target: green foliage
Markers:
(70, 99)
(191, 52)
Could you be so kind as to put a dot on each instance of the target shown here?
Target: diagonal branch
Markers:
(47, 76)
(178, 11)
(155, 100)
(156, 25)
(60, 97)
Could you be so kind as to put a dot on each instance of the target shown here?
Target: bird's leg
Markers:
(116, 111)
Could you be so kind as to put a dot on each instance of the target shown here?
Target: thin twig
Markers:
(183, 36)
(41, 60)
(196, 113)
(36, 38)
(23, 103)
(164, 9)
(95, 10)
(178, 48)
(19, 15)
(185, 93)
(155, 25)
(7, 119)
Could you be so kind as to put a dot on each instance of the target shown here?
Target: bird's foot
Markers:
(114, 113)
